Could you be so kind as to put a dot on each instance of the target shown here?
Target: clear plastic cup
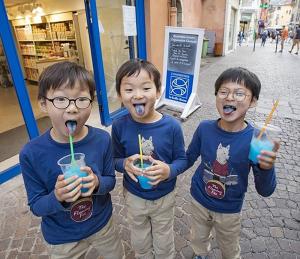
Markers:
(266, 142)
(70, 169)
(143, 180)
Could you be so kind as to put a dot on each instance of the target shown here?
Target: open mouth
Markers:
(228, 109)
(139, 108)
(71, 126)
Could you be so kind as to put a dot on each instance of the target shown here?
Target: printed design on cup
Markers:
(82, 210)
(219, 175)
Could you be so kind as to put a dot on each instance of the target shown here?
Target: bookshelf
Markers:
(47, 39)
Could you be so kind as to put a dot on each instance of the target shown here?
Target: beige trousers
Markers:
(151, 224)
(106, 241)
(227, 228)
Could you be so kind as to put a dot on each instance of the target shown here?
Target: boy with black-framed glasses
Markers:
(219, 184)
(73, 221)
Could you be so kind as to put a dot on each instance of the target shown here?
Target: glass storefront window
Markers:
(13, 133)
(115, 45)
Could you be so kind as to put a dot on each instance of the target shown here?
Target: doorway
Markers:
(232, 33)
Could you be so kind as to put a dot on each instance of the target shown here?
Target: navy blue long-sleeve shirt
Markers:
(163, 140)
(224, 158)
(38, 160)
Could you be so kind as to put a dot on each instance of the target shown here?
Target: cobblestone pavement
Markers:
(270, 226)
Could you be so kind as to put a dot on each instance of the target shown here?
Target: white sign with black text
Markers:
(182, 58)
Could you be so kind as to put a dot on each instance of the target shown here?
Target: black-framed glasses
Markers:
(61, 102)
(238, 95)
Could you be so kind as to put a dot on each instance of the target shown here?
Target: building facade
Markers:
(219, 18)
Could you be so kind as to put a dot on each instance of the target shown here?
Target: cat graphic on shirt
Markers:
(147, 146)
(220, 165)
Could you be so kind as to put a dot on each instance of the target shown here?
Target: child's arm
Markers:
(264, 173)
(90, 182)
(160, 170)
(41, 201)
(132, 170)
(122, 163)
(267, 158)
(67, 190)
(118, 151)
(101, 180)
(194, 149)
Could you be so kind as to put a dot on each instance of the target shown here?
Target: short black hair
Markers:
(134, 67)
(65, 73)
(241, 76)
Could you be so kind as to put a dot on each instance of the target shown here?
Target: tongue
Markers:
(228, 110)
(71, 125)
(140, 109)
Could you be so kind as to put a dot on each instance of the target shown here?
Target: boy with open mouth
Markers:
(76, 211)
(219, 184)
(151, 210)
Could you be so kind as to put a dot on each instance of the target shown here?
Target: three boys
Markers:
(223, 145)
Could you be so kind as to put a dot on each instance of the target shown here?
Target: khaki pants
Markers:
(106, 242)
(151, 225)
(227, 228)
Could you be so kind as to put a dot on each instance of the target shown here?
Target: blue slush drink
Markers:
(256, 146)
(70, 168)
(265, 142)
(143, 180)
(75, 170)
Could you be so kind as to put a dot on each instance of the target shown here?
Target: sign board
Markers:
(129, 20)
(182, 57)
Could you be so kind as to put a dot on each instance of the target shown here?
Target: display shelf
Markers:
(53, 36)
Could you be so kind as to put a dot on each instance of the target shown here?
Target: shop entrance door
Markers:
(118, 49)
(232, 34)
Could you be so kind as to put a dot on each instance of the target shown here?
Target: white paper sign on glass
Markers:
(129, 20)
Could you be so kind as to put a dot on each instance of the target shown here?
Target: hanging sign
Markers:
(182, 58)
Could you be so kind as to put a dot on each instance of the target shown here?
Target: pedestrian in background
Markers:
(284, 35)
(240, 37)
(291, 36)
(264, 37)
(296, 39)
(220, 181)
(273, 35)
(247, 37)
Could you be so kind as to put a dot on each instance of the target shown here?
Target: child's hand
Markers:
(90, 182)
(158, 172)
(132, 170)
(266, 158)
(68, 190)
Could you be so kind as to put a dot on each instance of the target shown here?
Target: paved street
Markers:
(270, 226)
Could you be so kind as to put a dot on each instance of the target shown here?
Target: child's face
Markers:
(233, 101)
(59, 117)
(138, 93)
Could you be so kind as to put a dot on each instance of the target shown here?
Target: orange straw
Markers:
(141, 152)
(269, 118)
